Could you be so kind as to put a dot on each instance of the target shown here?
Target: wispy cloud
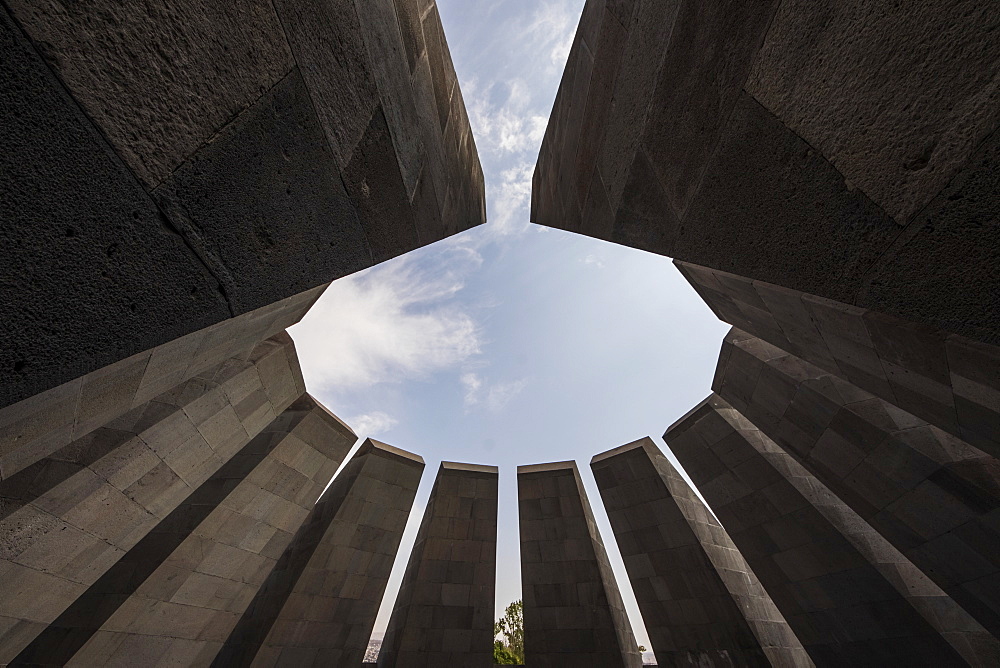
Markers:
(594, 261)
(493, 396)
(372, 424)
(395, 322)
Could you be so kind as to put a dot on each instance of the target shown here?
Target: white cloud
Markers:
(494, 397)
(372, 424)
(594, 260)
(391, 323)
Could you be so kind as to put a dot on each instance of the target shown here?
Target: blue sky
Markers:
(511, 343)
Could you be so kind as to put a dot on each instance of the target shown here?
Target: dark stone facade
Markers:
(701, 603)
(846, 151)
(848, 596)
(928, 493)
(170, 168)
(573, 611)
(443, 614)
(319, 602)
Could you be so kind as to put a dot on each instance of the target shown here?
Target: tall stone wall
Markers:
(66, 519)
(847, 150)
(944, 379)
(170, 168)
(443, 614)
(700, 602)
(847, 594)
(319, 602)
(177, 594)
(928, 493)
(573, 611)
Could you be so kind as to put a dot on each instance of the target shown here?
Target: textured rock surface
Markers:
(573, 611)
(928, 493)
(700, 602)
(182, 588)
(845, 592)
(946, 380)
(443, 614)
(318, 604)
(284, 144)
(847, 151)
(68, 518)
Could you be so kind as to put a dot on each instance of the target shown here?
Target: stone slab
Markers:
(443, 613)
(700, 602)
(573, 611)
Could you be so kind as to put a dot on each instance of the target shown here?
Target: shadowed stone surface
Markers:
(700, 602)
(846, 593)
(443, 614)
(68, 518)
(319, 602)
(934, 497)
(573, 611)
(284, 146)
(846, 151)
(945, 379)
(181, 589)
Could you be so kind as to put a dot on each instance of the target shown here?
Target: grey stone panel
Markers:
(850, 598)
(573, 611)
(160, 80)
(443, 613)
(263, 204)
(945, 379)
(68, 518)
(876, 113)
(739, 136)
(80, 237)
(40, 425)
(246, 169)
(319, 602)
(701, 603)
(192, 577)
(931, 495)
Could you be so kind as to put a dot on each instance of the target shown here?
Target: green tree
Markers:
(508, 649)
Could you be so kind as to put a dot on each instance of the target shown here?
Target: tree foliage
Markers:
(509, 645)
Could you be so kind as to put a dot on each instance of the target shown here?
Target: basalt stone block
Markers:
(443, 614)
(104, 249)
(897, 105)
(573, 611)
(264, 204)
(160, 80)
(920, 369)
(319, 602)
(69, 517)
(848, 595)
(928, 493)
(182, 588)
(701, 603)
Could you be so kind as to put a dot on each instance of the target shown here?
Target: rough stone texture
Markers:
(945, 379)
(934, 497)
(265, 200)
(159, 78)
(846, 593)
(186, 583)
(852, 80)
(443, 614)
(700, 602)
(318, 605)
(66, 519)
(847, 151)
(252, 149)
(573, 611)
(40, 425)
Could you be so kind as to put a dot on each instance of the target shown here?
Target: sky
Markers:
(511, 343)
